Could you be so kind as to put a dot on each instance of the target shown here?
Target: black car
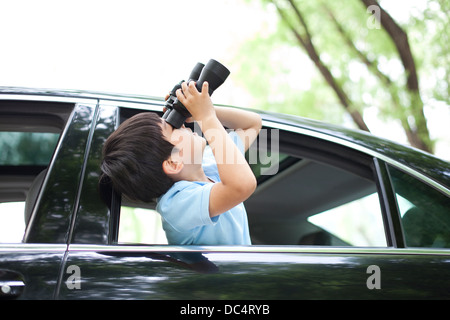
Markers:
(337, 214)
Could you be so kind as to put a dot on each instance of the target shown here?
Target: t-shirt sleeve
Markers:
(237, 141)
(186, 206)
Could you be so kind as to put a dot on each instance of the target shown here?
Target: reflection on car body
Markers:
(339, 209)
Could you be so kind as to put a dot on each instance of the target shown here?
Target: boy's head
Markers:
(133, 156)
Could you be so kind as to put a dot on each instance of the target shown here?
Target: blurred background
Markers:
(382, 67)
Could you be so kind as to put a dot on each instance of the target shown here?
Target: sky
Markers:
(129, 46)
(146, 47)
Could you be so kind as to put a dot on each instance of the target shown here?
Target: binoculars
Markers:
(213, 72)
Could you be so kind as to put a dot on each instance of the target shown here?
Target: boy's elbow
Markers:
(257, 122)
(247, 187)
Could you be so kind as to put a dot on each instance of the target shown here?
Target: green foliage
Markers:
(273, 72)
(430, 37)
(363, 60)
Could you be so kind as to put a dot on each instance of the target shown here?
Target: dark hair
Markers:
(133, 156)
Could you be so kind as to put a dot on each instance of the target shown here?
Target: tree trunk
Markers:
(306, 42)
(417, 134)
(412, 117)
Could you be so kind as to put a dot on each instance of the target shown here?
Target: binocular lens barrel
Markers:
(214, 73)
(195, 73)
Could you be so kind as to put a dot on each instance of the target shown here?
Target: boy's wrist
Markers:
(204, 115)
(209, 121)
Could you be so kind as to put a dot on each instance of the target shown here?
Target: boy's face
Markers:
(189, 145)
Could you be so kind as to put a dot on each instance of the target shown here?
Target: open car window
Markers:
(313, 203)
(308, 199)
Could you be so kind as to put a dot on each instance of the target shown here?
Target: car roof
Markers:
(434, 168)
(81, 94)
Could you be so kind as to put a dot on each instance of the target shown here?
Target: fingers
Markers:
(205, 88)
(181, 93)
(189, 91)
(190, 88)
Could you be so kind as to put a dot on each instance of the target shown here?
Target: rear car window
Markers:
(29, 134)
(424, 211)
(27, 148)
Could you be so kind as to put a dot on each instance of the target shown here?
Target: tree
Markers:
(340, 36)
(418, 134)
(304, 38)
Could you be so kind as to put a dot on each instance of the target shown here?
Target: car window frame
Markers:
(389, 206)
(80, 122)
(44, 114)
(308, 144)
(364, 165)
(376, 160)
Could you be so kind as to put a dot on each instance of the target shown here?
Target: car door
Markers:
(118, 251)
(43, 143)
(262, 273)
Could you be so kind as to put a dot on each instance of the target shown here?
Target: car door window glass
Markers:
(424, 211)
(21, 154)
(27, 148)
(29, 134)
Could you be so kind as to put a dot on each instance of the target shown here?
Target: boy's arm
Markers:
(237, 179)
(245, 123)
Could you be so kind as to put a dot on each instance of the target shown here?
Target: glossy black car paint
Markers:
(70, 226)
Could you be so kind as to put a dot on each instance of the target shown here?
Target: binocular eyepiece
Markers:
(213, 72)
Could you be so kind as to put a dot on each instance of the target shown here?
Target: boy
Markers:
(200, 202)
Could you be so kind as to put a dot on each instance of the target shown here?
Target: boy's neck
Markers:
(193, 173)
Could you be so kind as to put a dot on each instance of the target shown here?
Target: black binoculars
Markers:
(213, 72)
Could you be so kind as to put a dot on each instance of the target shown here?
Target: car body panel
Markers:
(37, 265)
(92, 220)
(255, 273)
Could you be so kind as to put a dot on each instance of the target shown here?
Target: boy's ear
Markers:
(172, 167)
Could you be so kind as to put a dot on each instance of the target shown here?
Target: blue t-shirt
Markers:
(184, 209)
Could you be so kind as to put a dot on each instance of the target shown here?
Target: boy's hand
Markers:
(188, 120)
(199, 104)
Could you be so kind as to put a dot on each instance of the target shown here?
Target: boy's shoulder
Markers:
(184, 188)
(191, 198)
